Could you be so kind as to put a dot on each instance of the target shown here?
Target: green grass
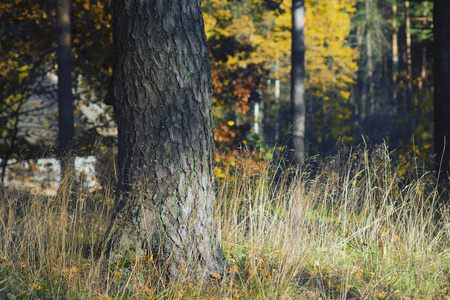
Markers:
(352, 226)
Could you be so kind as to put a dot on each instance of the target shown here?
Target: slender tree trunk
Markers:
(394, 56)
(362, 87)
(441, 17)
(65, 99)
(297, 137)
(423, 74)
(277, 126)
(409, 87)
(423, 86)
(369, 90)
(370, 106)
(162, 96)
(256, 117)
(423, 89)
(385, 92)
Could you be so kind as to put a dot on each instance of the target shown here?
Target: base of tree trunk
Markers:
(137, 232)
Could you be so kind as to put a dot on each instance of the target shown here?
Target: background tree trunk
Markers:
(442, 86)
(409, 88)
(297, 143)
(65, 99)
(162, 96)
(395, 58)
(423, 86)
(369, 80)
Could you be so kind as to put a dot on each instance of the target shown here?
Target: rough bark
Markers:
(65, 98)
(297, 137)
(162, 96)
(441, 16)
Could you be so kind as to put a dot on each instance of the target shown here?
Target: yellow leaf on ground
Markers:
(233, 269)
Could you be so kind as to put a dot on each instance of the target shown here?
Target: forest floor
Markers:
(351, 226)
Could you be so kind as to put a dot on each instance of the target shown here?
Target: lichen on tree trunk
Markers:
(162, 95)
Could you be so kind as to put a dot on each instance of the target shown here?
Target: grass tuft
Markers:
(351, 226)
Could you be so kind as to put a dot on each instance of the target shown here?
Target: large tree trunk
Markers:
(65, 99)
(297, 137)
(162, 96)
(442, 86)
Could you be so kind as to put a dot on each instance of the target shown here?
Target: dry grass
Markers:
(349, 227)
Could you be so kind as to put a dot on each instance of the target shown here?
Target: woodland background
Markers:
(363, 223)
(368, 67)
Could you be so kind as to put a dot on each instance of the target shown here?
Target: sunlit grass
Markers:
(351, 226)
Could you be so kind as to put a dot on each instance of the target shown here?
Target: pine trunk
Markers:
(162, 96)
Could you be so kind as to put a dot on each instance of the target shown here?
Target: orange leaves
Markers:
(251, 43)
(223, 133)
(86, 5)
(249, 162)
(243, 45)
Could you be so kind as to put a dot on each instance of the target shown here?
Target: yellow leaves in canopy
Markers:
(242, 27)
(345, 94)
(327, 27)
(251, 23)
(330, 62)
(236, 61)
(23, 72)
(328, 57)
(257, 39)
(210, 24)
(224, 14)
